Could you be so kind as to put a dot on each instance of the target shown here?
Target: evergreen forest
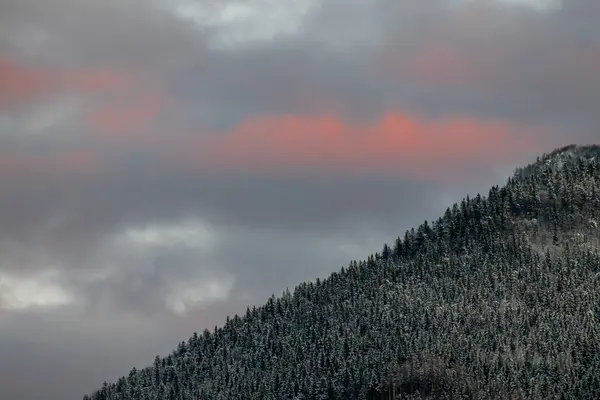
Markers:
(499, 298)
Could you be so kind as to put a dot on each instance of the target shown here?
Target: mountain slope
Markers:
(499, 298)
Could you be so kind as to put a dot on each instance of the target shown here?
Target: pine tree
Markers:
(496, 299)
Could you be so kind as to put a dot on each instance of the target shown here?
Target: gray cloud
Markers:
(92, 258)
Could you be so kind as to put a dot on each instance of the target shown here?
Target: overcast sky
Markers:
(164, 163)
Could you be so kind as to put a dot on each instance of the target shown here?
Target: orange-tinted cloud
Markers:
(18, 83)
(126, 107)
(396, 143)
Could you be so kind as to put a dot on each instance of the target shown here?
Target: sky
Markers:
(165, 163)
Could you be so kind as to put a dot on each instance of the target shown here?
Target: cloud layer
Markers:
(165, 163)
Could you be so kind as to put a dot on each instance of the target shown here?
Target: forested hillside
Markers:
(498, 298)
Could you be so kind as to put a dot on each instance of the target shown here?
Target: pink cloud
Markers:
(122, 104)
(18, 83)
(397, 144)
